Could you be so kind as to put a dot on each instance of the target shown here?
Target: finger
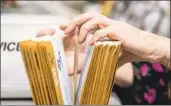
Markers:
(93, 25)
(43, 32)
(89, 26)
(78, 21)
(102, 33)
(70, 62)
(69, 43)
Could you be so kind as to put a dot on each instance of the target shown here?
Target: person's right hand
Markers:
(137, 45)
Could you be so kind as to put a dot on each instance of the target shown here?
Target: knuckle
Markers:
(84, 27)
(75, 21)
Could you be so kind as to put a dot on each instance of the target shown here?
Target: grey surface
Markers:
(114, 100)
(16, 102)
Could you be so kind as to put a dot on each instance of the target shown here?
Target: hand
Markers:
(137, 45)
(69, 42)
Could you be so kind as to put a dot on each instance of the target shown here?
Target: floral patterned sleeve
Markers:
(151, 83)
(151, 80)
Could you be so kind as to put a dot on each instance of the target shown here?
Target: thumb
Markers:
(102, 33)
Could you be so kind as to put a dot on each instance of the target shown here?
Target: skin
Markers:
(124, 74)
(137, 45)
(69, 42)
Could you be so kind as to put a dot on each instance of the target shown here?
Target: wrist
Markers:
(164, 50)
(151, 47)
(160, 49)
(165, 61)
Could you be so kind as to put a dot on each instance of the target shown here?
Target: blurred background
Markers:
(22, 19)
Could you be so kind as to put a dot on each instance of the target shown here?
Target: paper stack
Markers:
(46, 70)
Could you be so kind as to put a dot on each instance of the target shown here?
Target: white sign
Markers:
(14, 28)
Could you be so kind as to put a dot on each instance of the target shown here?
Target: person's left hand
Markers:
(68, 42)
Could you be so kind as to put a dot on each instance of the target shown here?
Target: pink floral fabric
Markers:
(151, 83)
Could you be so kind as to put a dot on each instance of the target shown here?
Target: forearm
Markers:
(124, 75)
(165, 60)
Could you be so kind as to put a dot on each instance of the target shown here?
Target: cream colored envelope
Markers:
(27, 67)
(46, 70)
